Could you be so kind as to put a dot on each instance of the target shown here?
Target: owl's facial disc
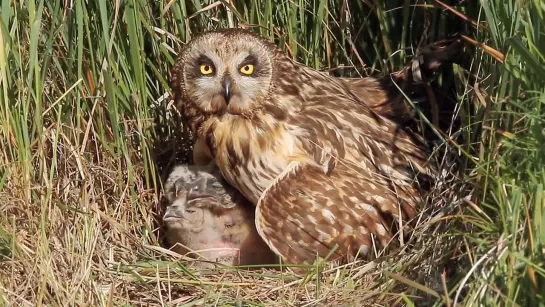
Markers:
(225, 75)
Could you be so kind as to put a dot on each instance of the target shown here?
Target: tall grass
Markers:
(86, 132)
(509, 260)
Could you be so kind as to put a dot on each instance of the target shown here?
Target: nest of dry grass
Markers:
(90, 236)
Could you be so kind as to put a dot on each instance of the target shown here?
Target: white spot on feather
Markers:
(368, 208)
(323, 236)
(362, 230)
(393, 173)
(347, 229)
(379, 198)
(363, 250)
(328, 215)
(381, 230)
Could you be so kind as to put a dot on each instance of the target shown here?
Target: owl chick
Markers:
(321, 167)
(207, 216)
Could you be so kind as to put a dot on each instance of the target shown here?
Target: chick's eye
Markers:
(190, 210)
(247, 69)
(206, 69)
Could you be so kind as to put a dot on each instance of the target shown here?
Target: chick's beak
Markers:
(226, 83)
(171, 215)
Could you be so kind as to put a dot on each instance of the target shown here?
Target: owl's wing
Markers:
(306, 212)
(338, 124)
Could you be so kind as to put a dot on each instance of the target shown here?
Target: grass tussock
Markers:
(88, 132)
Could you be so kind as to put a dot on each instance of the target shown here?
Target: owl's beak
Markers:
(226, 88)
(174, 211)
(171, 216)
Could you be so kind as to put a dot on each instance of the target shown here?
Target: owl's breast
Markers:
(252, 156)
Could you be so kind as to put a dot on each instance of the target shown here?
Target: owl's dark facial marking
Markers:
(222, 75)
(206, 67)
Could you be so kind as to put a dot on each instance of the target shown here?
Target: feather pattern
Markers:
(320, 166)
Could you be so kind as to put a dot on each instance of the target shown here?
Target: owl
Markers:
(327, 175)
(207, 216)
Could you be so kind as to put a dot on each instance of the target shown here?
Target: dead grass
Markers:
(96, 240)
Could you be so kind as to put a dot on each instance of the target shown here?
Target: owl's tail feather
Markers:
(387, 95)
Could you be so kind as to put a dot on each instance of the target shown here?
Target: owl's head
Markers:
(190, 189)
(226, 71)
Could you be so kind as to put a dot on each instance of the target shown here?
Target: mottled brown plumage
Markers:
(208, 217)
(319, 165)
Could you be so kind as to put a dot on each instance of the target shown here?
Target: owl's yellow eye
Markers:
(247, 69)
(206, 69)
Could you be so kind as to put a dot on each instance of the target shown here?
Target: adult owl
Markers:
(328, 176)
